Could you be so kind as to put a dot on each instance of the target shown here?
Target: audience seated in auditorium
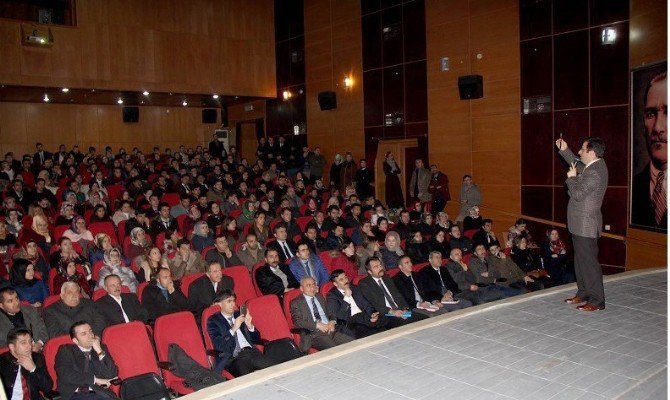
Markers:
(114, 264)
(473, 221)
(15, 315)
(310, 314)
(307, 264)
(71, 308)
(202, 236)
(438, 285)
(514, 276)
(555, 256)
(69, 271)
(467, 281)
(284, 245)
(485, 235)
(459, 241)
(117, 307)
(487, 274)
(29, 287)
(392, 250)
(275, 277)
(417, 249)
(234, 336)
(222, 253)
(186, 261)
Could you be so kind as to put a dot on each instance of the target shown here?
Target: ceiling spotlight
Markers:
(65, 90)
(215, 96)
(119, 101)
(184, 103)
(46, 98)
(145, 93)
(286, 94)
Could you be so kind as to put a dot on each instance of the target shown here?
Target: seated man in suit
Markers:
(84, 369)
(380, 291)
(284, 245)
(163, 222)
(222, 253)
(23, 371)
(60, 316)
(119, 308)
(162, 296)
(413, 291)
(314, 241)
(467, 281)
(306, 264)
(234, 335)
(488, 274)
(204, 290)
(310, 314)
(14, 315)
(458, 241)
(274, 277)
(485, 235)
(439, 287)
(354, 315)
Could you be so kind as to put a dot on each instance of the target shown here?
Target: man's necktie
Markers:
(238, 348)
(123, 312)
(87, 361)
(307, 271)
(24, 386)
(660, 204)
(416, 289)
(317, 316)
(387, 295)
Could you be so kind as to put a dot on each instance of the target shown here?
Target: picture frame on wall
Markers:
(649, 150)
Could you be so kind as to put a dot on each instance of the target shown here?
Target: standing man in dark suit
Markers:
(275, 277)
(649, 207)
(84, 369)
(311, 314)
(587, 182)
(40, 155)
(119, 308)
(13, 315)
(380, 291)
(354, 315)
(23, 371)
(234, 335)
(162, 296)
(204, 290)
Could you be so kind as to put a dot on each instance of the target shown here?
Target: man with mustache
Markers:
(649, 200)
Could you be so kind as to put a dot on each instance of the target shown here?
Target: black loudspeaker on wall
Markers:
(209, 115)
(131, 114)
(224, 115)
(471, 87)
(327, 100)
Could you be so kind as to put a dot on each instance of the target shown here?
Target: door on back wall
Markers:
(247, 138)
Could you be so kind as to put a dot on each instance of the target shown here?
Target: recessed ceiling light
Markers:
(215, 96)
(120, 101)
(145, 93)
(184, 103)
(46, 98)
(65, 90)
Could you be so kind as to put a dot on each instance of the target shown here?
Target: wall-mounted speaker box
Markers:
(471, 87)
(131, 114)
(209, 115)
(327, 100)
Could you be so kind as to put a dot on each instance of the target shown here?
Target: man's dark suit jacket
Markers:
(201, 293)
(269, 283)
(157, 305)
(71, 371)
(375, 296)
(482, 237)
(32, 320)
(275, 246)
(219, 331)
(341, 310)
(157, 226)
(59, 317)
(642, 208)
(214, 255)
(406, 289)
(111, 312)
(37, 381)
(430, 280)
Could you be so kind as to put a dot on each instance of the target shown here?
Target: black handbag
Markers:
(282, 350)
(147, 386)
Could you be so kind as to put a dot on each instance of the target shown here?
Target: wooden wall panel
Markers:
(24, 124)
(333, 49)
(198, 46)
(480, 137)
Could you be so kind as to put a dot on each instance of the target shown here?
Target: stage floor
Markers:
(536, 348)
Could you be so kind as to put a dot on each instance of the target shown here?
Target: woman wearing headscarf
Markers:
(66, 214)
(30, 251)
(391, 252)
(216, 217)
(394, 196)
(101, 243)
(114, 265)
(79, 233)
(473, 220)
(370, 249)
(247, 216)
(335, 172)
(67, 252)
(27, 285)
(139, 243)
(67, 272)
(202, 237)
(39, 232)
(470, 196)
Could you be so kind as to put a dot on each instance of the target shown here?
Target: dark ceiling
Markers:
(33, 94)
